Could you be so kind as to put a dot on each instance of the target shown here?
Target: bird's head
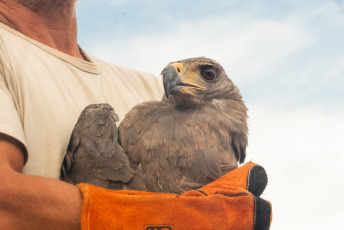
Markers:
(201, 83)
(195, 81)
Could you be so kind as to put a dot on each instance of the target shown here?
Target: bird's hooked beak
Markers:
(175, 81)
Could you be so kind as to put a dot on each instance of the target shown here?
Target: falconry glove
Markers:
(230, 202)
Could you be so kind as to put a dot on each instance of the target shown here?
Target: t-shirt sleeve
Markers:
(10, 123)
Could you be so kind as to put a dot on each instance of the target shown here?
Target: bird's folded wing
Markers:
(231, 202)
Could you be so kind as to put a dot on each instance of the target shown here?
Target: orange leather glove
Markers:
(230, 202)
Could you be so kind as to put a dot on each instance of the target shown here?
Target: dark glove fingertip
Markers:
(257, 180)
(262, 214)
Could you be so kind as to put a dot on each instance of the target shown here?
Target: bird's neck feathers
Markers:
(187, 102)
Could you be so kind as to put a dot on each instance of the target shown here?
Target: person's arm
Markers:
(33, 202)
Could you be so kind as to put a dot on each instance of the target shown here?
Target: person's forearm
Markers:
(33, 202)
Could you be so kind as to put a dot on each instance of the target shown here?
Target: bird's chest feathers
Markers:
(179, 134)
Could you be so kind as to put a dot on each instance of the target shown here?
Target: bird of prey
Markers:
(194, 135)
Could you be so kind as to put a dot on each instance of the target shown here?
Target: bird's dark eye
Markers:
(208, 73)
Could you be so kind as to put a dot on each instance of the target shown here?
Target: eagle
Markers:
(194, 135)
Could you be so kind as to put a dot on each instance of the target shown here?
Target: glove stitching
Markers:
(255, 213)
(235, 195)
(201, 192)
(248, 177)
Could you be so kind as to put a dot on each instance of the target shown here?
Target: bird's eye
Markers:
(208, 73)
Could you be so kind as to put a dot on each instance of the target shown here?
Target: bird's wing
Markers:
(239, 144)
(68, 159)
(94, 155)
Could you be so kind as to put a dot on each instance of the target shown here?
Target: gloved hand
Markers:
(230, 202)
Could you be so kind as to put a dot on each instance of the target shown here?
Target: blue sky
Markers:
(287, 58)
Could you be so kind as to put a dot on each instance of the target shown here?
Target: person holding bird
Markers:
(46, 81)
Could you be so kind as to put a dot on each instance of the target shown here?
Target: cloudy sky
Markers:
(286, 57)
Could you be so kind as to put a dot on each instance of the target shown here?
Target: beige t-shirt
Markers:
(43, 91)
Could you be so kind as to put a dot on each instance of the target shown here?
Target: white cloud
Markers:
(251, 47)
(257, 45)
(302, 152)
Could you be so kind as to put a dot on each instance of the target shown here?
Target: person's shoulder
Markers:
(5, 36)
(3, 29)
(136, 80)
(122, 71)
(9, 35)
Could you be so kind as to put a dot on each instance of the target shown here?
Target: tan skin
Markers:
(34, 202)
(56, 28)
